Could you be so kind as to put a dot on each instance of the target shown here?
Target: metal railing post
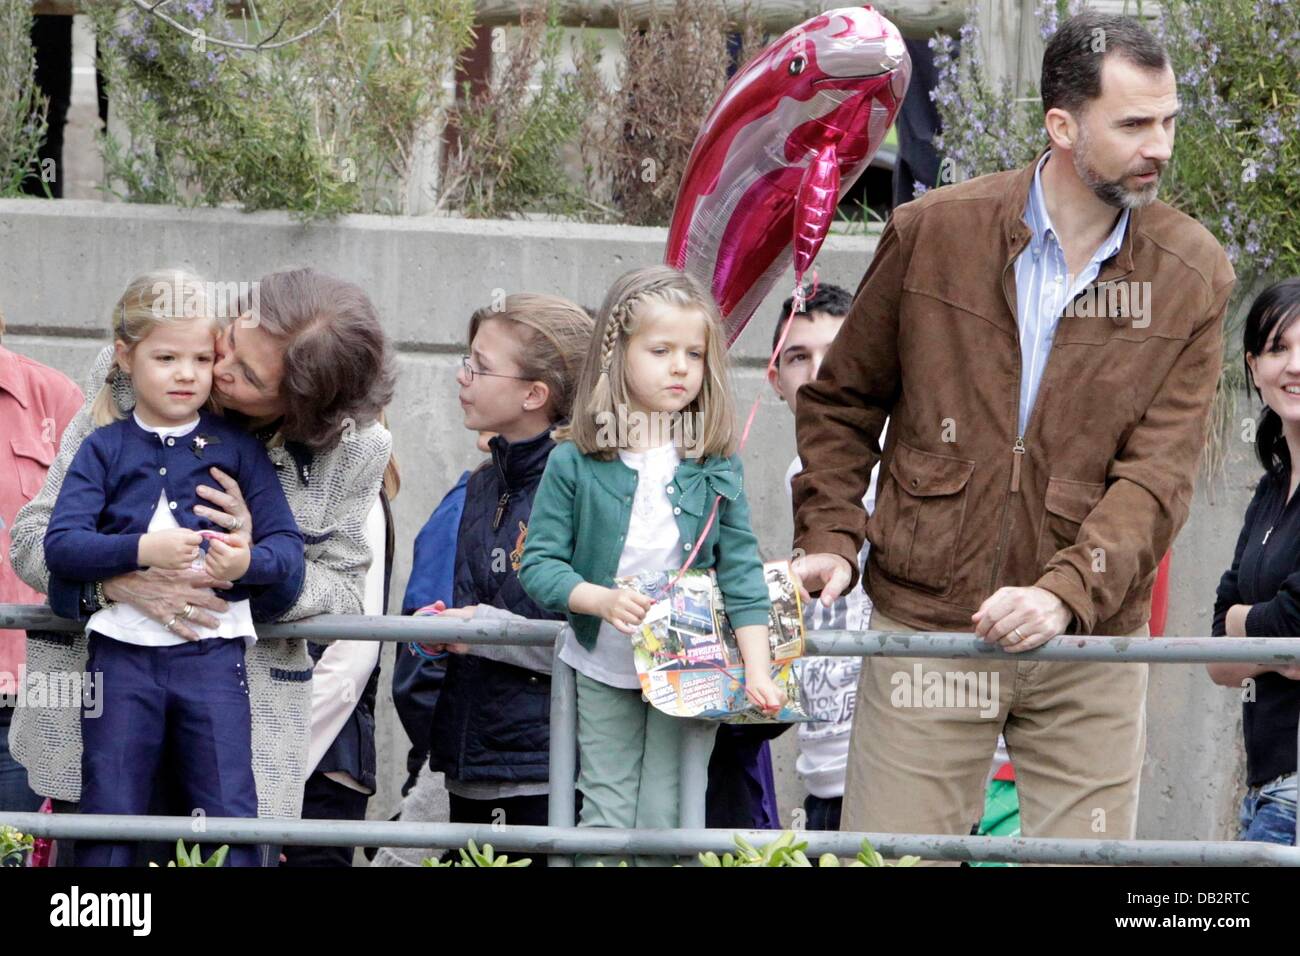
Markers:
(564, 748)
(693, 774)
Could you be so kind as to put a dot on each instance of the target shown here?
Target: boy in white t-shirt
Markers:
(829, 684)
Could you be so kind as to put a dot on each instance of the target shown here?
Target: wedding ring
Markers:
(188, 611)
(1019, 636)
(171, 624)
(239, 523)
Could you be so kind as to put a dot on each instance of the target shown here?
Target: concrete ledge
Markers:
(425, 274)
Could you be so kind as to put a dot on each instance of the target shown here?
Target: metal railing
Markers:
(562, 838)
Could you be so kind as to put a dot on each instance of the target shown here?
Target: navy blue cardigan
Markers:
(112, 487)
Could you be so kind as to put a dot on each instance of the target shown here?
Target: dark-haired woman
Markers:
(306, 368)
(1259, 596)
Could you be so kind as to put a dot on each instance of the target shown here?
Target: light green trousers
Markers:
(630, 759)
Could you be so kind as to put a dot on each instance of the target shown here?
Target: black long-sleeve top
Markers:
(1265, 574)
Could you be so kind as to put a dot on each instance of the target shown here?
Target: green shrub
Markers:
(14, 846)
(22, 108)
(473, 856)
(319, 127)
(509, 150)
(784, 851)
(192, 857)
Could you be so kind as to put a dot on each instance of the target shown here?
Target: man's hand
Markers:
(163, 595)
(170, 550)
(1020, 619)
(828, 572)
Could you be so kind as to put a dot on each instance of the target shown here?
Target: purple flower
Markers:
(1045, 11)
(1271, 132)
(198, 9)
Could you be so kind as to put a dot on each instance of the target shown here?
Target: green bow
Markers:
(699, 480)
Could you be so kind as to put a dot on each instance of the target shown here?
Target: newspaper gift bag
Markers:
(686, 652)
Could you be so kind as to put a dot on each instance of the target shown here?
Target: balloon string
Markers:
(797, 305)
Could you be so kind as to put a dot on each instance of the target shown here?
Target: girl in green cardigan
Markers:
(630, 488)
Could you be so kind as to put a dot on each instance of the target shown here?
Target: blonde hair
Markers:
(602, 389)
(553, 333)
(392, 471)
(151, 299)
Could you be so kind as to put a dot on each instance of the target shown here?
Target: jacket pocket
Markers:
(1066, 506)
(33, 459)
(917, 524)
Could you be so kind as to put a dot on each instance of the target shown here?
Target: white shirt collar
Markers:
(1040, 221)
(168, 431)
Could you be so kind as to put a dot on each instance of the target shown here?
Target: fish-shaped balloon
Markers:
(821, 97)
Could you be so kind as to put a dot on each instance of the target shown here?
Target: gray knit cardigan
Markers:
(330, 499)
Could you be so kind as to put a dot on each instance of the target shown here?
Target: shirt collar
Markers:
(167, 431)
(1040, 222)
(12, 379)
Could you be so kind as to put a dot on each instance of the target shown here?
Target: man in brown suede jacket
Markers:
(1046, 343)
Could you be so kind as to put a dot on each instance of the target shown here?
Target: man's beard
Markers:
(1113, 192)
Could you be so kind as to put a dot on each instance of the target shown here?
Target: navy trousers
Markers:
(326, 799)
(184, 707)
(14, 792)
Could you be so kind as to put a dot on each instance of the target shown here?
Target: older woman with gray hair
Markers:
(306, 368)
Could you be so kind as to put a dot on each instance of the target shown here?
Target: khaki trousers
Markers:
(920, 753)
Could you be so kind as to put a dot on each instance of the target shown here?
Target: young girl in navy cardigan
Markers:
(128, 502)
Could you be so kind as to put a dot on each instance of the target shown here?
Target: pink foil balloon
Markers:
(814, 209)
(756, 188)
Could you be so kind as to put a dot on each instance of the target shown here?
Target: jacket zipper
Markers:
(1018, 449)
(501, 510)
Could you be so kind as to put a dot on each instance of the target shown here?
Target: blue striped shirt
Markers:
(1044, 287)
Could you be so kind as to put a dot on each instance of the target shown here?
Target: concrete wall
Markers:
(63, 264)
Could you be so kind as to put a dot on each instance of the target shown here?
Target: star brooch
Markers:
(201, 442)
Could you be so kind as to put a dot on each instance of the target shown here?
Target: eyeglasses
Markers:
(471, 372)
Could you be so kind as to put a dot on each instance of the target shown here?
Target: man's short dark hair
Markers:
(1073, 58)
(830, 299)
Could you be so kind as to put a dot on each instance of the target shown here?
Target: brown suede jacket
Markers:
(1089, 499)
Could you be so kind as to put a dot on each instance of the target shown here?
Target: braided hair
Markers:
(602, 388)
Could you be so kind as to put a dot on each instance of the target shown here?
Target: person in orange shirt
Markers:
(36, 404)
